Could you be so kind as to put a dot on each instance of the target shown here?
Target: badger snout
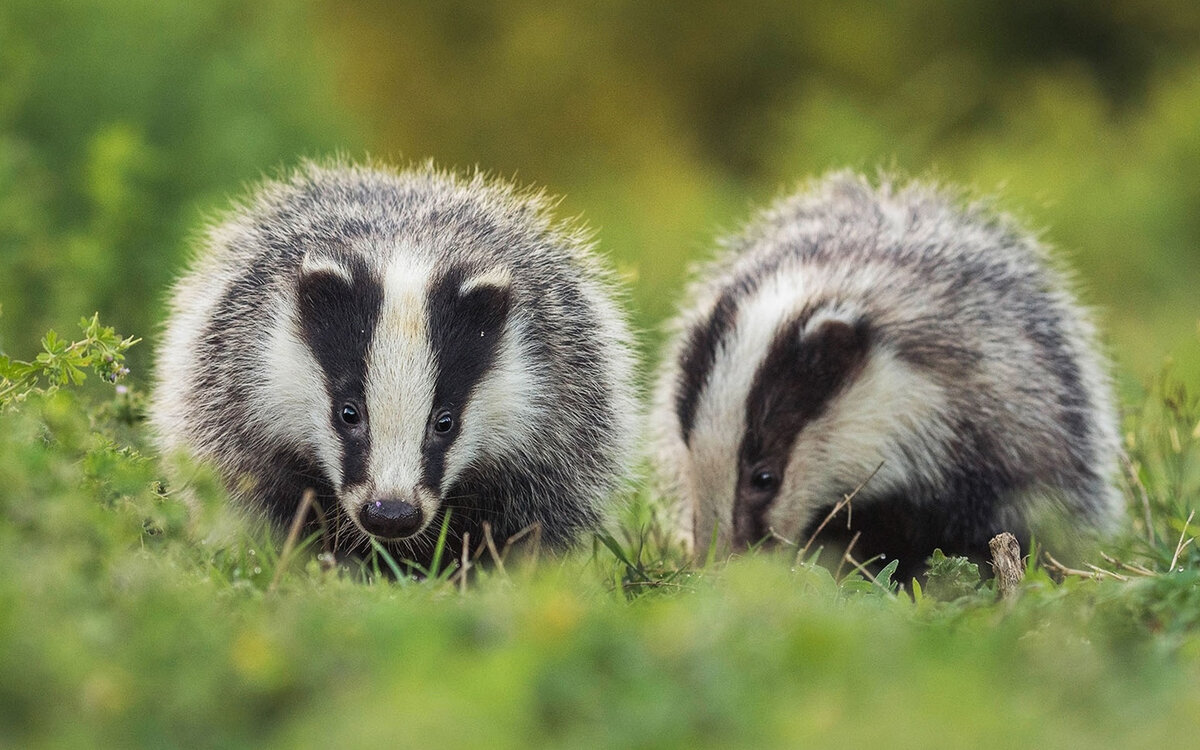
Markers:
(390, 518)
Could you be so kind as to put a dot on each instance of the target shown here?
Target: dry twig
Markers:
(843, 503)
(846, 556)
(1136, 481)
(1111, 573)
(1095, 573)
(534, 529)
(466, 562)
(1131, 567)
(1006, 563)
(780, 537)
(1179, 547)
(861, 567)
(491, 545)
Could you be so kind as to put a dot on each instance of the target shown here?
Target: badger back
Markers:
(890, 333)
(405, 344)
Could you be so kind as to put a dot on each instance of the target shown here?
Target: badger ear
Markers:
(483, 301)
(317, 263)
(324, 284)
(498, 277)
(834, 346)
(805, 368)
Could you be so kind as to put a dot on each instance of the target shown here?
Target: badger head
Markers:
(783, 406)
(393, 380)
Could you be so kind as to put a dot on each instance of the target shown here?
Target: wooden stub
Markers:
(1006, 563)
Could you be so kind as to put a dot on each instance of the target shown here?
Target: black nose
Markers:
(390, 519)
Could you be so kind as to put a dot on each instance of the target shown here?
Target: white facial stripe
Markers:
(400, 382)
(890, 414)
(295, 398)
(501, 414)
(721, 412)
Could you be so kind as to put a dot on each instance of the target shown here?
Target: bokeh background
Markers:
(124, 124)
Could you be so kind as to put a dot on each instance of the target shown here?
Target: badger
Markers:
(408, 345)
(893, 339)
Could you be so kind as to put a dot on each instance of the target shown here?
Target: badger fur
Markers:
(851, 328)
(405, 344)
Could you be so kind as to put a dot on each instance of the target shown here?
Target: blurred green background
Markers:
(125, 123)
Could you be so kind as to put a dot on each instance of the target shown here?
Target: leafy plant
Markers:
(62, 362)
(951, 577)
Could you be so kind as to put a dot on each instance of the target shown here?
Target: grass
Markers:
(126, 621)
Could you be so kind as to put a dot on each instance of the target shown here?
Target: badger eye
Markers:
(764, 480)
(443, 423)
(350, 414)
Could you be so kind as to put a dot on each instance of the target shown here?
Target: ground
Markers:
(126, 620)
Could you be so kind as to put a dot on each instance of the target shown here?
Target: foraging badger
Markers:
(405, 344)
(851, 328)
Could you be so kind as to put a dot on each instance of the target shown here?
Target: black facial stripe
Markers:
(700, 354)
(794, 385)
(697, 360)
(337, 321)
(283, 477)
(464, 333)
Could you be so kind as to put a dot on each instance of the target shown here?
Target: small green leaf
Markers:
(884, 577)
(76, 375)
(436, 565)
(951, 577)
(382, 553)
(52, 343)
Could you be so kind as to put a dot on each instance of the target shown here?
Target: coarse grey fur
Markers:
(941, 345)
(253, 356)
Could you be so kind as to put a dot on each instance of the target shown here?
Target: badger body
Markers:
(891, 335)
(405, 344)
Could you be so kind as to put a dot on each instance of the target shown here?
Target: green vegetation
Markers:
(121, 125)
(61, 362)
(124, 622)
(128, 618)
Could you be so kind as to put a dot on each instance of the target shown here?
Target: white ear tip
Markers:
(314, 264)
(830, 315)
(499, 277)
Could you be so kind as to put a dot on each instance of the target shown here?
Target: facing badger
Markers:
(850, 328)
(404, 344)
